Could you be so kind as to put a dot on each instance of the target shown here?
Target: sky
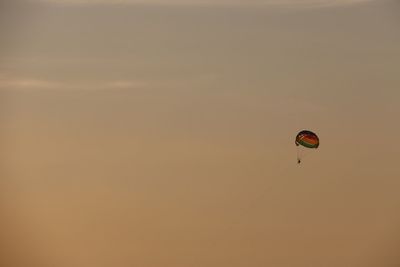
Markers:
(161, 133)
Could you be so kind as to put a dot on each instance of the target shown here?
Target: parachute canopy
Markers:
(307, 139)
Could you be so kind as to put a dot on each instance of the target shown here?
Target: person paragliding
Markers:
(305, 140)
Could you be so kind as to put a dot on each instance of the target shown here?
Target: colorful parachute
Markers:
(305, 140)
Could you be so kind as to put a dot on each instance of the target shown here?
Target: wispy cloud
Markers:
(29, 84)
(24, 84)
(275, 3)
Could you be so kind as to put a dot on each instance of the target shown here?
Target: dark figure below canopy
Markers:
(305, 140)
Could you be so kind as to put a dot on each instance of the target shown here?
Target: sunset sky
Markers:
(160, 133)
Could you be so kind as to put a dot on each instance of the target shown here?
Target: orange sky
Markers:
(161, 133)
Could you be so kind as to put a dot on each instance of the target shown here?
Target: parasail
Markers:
(305, 140)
